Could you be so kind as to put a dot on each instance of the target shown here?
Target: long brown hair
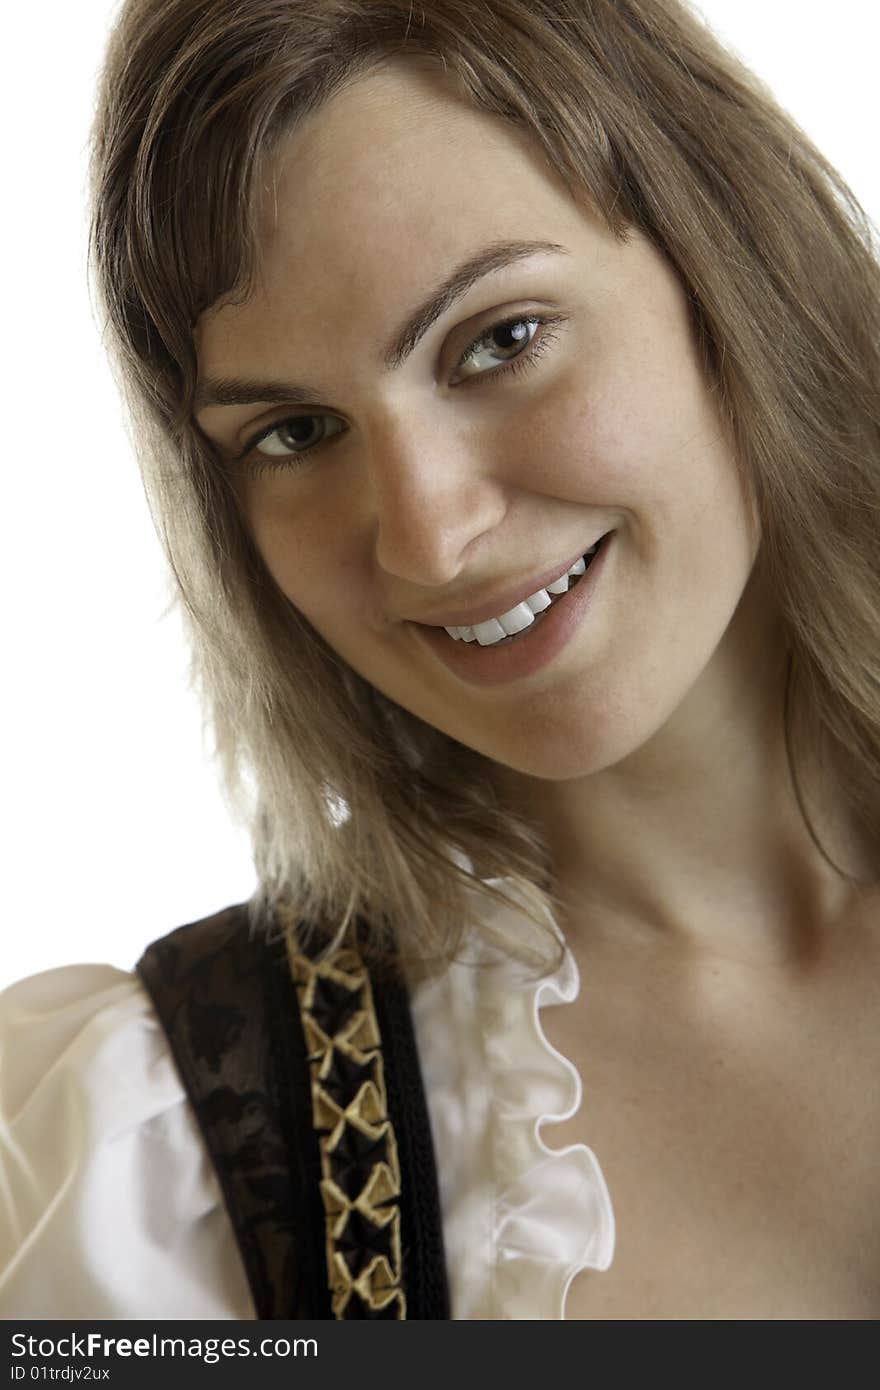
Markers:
(356, 807)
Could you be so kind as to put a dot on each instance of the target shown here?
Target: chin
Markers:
(565, 758)
(559, 767)
(598, 736)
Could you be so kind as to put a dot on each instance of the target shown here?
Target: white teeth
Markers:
(487, 633)
(518, 619)
(559, 586)
(539, 601)
(523, 615)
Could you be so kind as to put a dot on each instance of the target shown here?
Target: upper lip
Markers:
(502, 600)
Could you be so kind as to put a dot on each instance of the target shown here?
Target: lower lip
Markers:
(544, 640)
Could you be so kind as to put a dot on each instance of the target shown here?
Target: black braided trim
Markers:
(291, 1086)
(423, 1255)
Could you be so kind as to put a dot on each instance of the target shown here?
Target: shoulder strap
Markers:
(305, 1080)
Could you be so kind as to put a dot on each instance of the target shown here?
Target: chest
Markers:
(740, 1139)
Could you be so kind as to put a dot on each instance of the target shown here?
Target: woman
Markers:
(506, 384)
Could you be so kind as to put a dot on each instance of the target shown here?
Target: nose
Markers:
(433, 495)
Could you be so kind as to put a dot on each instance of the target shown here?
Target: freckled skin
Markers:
(440, 492)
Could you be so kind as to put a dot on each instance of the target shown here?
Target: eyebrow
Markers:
(237, 391)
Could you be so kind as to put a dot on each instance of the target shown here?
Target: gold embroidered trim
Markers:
(360, 1184)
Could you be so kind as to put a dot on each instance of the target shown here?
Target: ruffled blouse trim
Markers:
(521, 1219)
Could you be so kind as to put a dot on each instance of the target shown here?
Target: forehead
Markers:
(398, 140)
(388, 183)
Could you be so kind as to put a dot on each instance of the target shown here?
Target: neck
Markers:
(697, 839)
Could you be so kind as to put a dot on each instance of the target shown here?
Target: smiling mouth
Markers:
(520, 621)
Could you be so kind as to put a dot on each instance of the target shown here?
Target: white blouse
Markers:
(110, 1207)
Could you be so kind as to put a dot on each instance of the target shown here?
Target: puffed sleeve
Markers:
(109, 1205)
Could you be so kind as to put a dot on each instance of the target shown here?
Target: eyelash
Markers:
(531, 353)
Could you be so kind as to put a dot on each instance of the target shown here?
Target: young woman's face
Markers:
(450, 384)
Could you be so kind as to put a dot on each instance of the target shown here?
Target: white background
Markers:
(113, 828)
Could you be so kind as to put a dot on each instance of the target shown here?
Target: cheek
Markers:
(613, 437)
(303, 544)
(639, 437)
(646, 439)
(559, 444)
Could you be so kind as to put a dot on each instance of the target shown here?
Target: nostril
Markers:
(429, 544)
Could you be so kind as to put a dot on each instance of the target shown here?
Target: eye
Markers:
(297, 434)
(512, 345)
(501, 343)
